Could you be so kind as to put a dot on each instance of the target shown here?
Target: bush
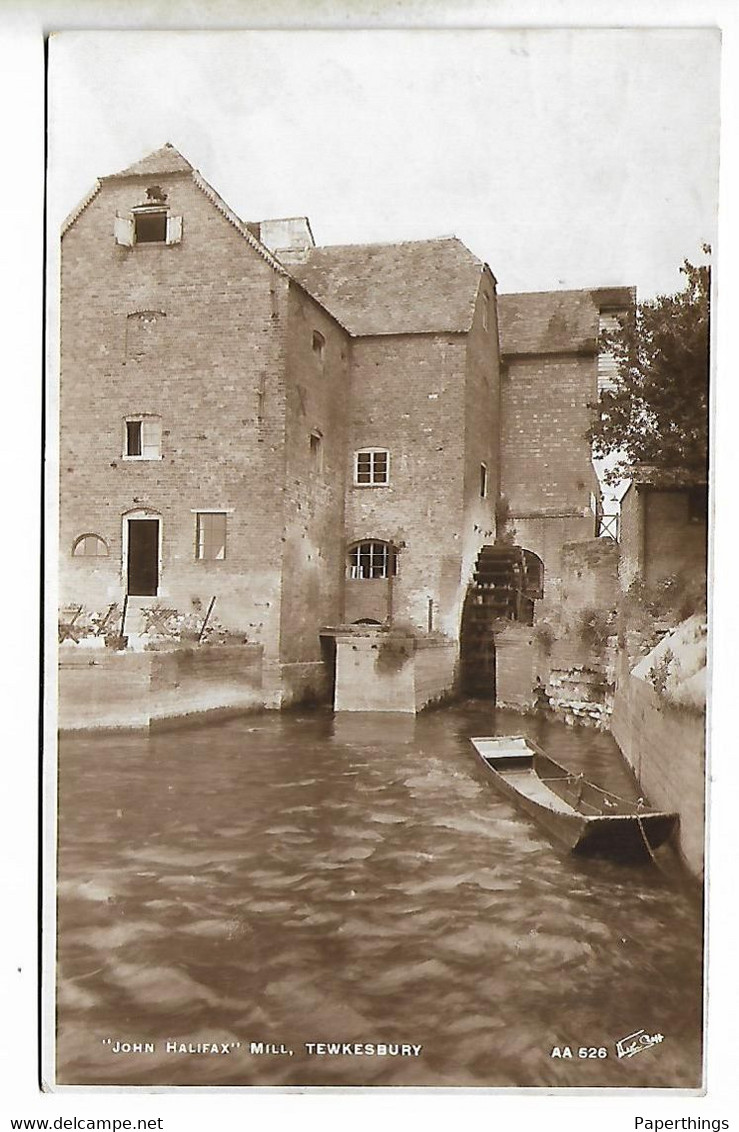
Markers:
(545, 636)
(394, 648)
(673, 598)
(594, 628)
(659, 673)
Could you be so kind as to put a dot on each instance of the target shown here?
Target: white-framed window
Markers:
(372, 467)
(483, 481)
(90, 546)
(147, 226)
(142, 438)
(372, 558)
(210, 536)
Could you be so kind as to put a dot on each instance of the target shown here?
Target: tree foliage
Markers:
(657, 412)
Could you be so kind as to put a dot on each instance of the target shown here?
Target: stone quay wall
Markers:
(665, 746)
(105, 689)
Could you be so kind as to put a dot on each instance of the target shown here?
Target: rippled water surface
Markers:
(311, 878)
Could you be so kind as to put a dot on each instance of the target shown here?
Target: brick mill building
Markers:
(315, 436)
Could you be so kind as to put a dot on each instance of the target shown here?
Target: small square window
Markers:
(143, 438)
(150, 227)
(372, 467)
(210, 536)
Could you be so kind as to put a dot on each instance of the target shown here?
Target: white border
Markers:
(21, 86)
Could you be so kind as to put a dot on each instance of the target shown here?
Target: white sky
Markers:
(565, 158)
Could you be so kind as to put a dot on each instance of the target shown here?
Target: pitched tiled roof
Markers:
(164, 160)
(417, 287)
(548, 322)
(168, 160)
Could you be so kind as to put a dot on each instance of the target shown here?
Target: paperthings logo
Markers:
(637, 1043)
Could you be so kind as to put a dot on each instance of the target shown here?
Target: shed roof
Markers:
(416, 287)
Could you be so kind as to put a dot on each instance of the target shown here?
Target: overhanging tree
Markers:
(657, 411)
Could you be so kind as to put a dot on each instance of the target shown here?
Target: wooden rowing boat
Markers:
(577, 813)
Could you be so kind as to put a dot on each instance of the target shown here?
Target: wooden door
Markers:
(143, 557)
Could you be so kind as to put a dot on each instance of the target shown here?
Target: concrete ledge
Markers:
(108, 690)
(388, 672)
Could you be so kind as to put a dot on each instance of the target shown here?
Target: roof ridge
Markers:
(565, 291)
(394, 243)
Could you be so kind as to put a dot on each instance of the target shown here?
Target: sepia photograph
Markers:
(378, 511)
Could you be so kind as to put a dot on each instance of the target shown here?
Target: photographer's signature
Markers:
(637, 1043)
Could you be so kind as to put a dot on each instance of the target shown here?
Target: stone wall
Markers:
(103, 688)
(589, 575)
(665, 746)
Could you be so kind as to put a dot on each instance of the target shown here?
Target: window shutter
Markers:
(151, 434)
(123, 231)
(174, 229)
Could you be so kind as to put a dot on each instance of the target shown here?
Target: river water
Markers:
(293, 879)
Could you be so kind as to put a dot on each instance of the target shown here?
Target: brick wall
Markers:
(673, 543)
(315, 478)
(212, 369)
(414, 395)
(482, 424)
(547, 474)
(228, 366)
(630, 538)
(658, 538)
(408, 396)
